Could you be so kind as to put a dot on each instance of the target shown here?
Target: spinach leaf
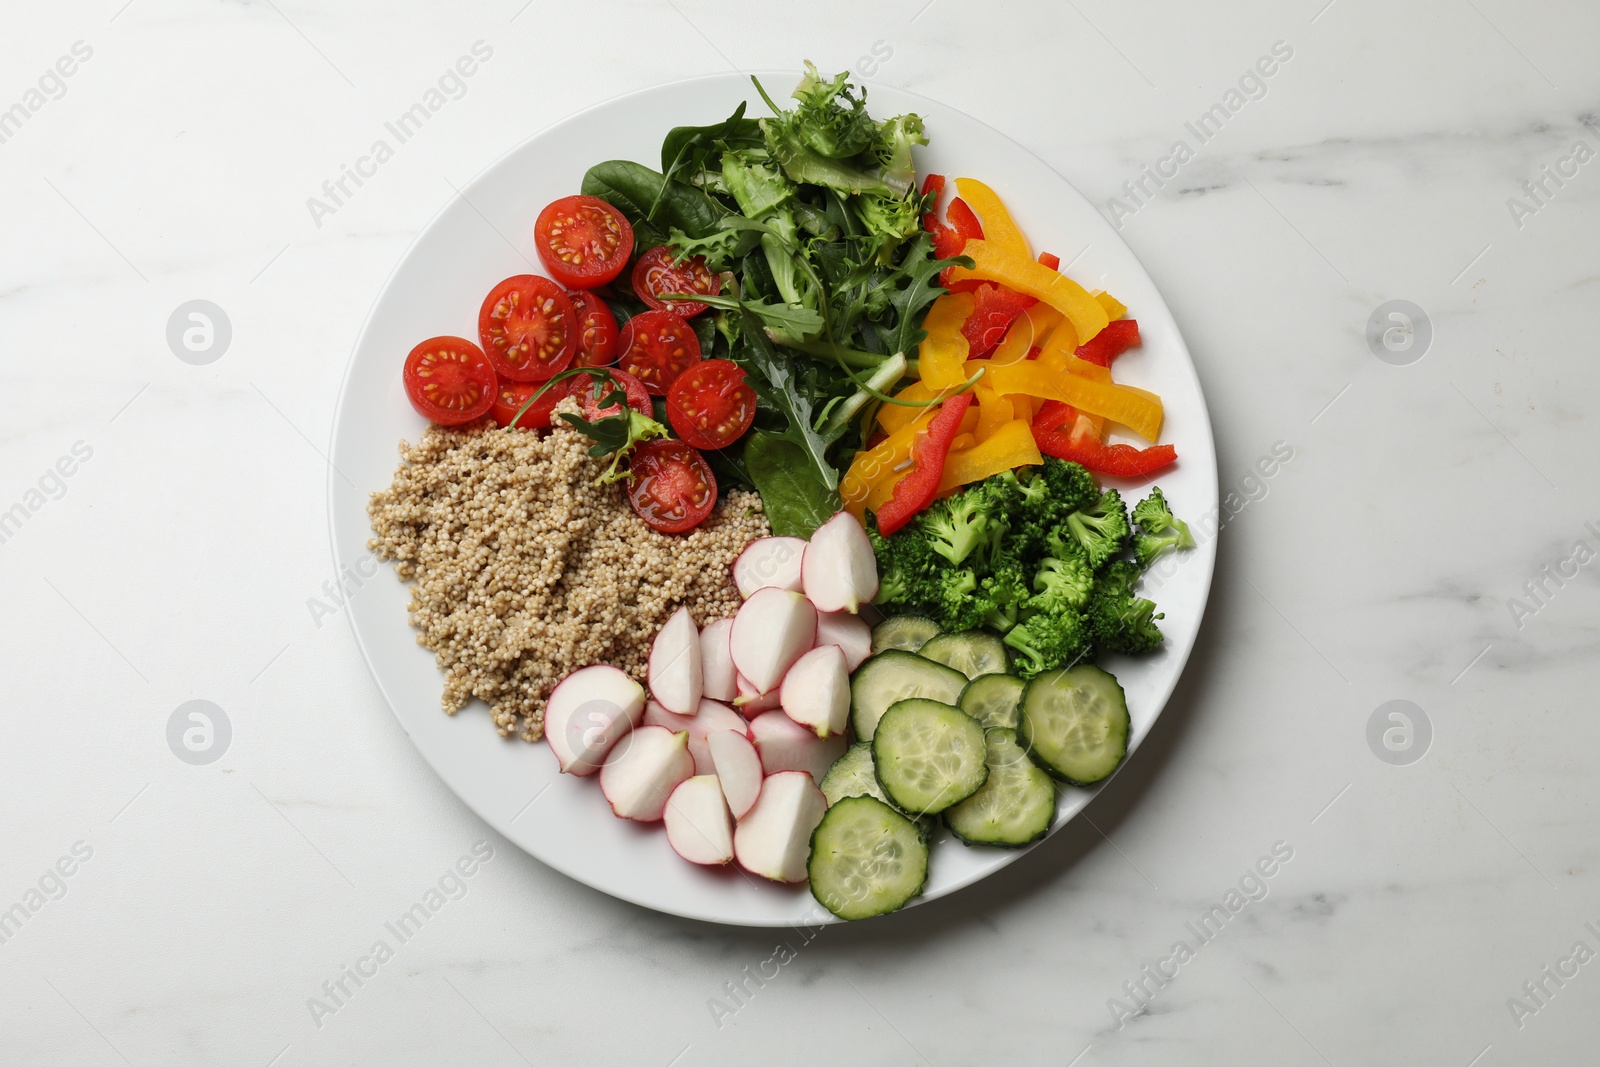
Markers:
(634, 189)
(779, 386)
(796, 500)
(688, 149)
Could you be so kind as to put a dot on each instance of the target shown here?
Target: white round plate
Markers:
(485, 235)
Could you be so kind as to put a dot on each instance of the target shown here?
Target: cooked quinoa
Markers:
(525, 570)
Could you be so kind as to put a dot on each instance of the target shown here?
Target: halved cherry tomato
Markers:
(657, 273)
(657, 346)
(583, 241)
(529, 328)
(671, 485)
(596, 396)
(515, 394)
(597, 337)
(710, 405)
(450, 381)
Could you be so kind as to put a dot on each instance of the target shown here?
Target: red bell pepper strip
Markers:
(993, 308)
(1105, 346)
(917, 488)
(1050, 259)
(1059, 432)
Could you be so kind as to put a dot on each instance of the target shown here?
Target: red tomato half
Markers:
(515, 394)
(657, 346)
(529, 328)
(710, 405)
(596, 396)
(672, 487)
(656, 273)
(583, 241)
(597, 337)
(450, 381)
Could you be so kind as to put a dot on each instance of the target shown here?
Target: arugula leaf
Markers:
(720, 249)
(795, 499)
(914, 285)
(616, 436)
(787, 319)
(777, 384)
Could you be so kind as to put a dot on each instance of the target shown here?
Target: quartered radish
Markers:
(716, 661)
(839, 571)
(640, 775)
(785, 745)
(587, 711)
(751, 702)
(847, 630)
(769, 561)
(708, 719)
(675, 672)
(816, 691)
(774, 839)
(698, 824)
(738, 766)
(772, 630)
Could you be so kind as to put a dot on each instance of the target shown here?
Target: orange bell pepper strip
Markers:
(998, 226)
(944, 350)
(1012, 445)
(894, 416)
(996, 263)
(1115, 308)
(1027, 331)
(1135, 409)
(915, 490)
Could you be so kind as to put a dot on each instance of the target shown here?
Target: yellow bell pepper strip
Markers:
(1027, 331)
(998, 226)
(1010, 446)
(944, 350)
(894, 416)
(994, 411)
(1136, 410)
(1115, 308)
(889, 457)
(1060, 346)
(995, 263)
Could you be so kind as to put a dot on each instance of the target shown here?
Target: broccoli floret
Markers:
(1118, 621)
(957, 525)
(957, 604)
(1159, 530)
(1047, 642)
(907, 567)
(1102, 528)
(1062, 585)
(1071, 486)
(1006, 591)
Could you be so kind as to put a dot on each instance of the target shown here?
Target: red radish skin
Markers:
(699, 827)
(773, 840)
(676, 679)
(850, 632)
(709, 718)
(816, 691)
(785, 745)
(641, 774)
(840, 572)
(772, 629)
(738, 768)
(587, 712)
(717, 674)
(769, 561)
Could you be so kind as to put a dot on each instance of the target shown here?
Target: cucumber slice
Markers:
(993, 699)
(1075, 723)
(853, 775)
(1015, 806)
(898, 675)
(929, 755)
(972, 652)
(905, 632)
(866, 859)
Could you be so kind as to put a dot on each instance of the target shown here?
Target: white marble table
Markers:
(184, 555)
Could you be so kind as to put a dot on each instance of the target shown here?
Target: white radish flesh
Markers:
(738, 767)
(847, 630)
(751, 702)
(816, 691)
(839, 569)
(769, 562)
(586, 714)
(641, 773)
(717, 674)
(772, 630)
(675, 674)
(774, 839)
(708, 719)
(698, 824)
(785, 745)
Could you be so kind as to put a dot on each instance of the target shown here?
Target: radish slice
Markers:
(738, 767)
(716, 661)
(785, 745)
(751, 702)
(710, 718)
(641, 774)
(769, 562)
(839, 569)
(587, 712)
(772, 630)
(774, 839)
(675, 672)
(698, 826)
(816, 691)
(850, 632)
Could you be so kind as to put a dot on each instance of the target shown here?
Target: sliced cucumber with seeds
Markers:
(905, 632)
(853, 775)
(993, 699)
(898, 675)
(929, 755)
(1015, 806)
(972, 652)
(866, 859)
(1075, 723)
